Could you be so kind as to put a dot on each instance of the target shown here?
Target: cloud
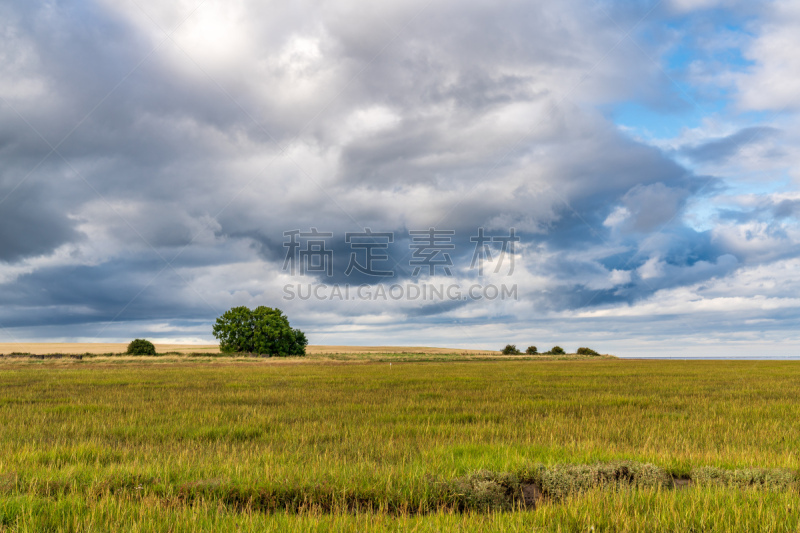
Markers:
(774, 80)
(694, 5)
(181, 160)
(724, 148)
(647, 207)
(32, 223)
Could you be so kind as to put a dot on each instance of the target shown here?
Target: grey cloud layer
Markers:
(200, 152)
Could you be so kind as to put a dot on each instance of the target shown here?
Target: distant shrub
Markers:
(586, 351)
(556, 350)
(531, 350)
(141, 347)
(511, 349)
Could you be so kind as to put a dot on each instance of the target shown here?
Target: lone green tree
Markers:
(263, 330)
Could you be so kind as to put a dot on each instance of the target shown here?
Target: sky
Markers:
(155, 158)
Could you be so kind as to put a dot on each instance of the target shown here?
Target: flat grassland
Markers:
(216, 444)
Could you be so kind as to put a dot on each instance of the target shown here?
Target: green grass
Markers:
(184, 444)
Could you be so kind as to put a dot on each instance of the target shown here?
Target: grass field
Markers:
(209, 443)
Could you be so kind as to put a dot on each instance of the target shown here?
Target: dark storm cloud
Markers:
(129, 289)
(31, 223)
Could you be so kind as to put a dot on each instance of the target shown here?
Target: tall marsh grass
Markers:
(251, 445)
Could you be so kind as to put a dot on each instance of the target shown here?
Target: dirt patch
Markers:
(531, 495)
(681, 483)
(8, 482)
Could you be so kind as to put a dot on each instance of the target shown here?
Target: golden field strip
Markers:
(235, 444)
(42, 348)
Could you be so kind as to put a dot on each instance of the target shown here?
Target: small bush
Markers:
(770, 479)
(484, 491)
(563, 480)
(141, 347)
(586, 351)
(531, 350)
(511, 349)
(556, 350)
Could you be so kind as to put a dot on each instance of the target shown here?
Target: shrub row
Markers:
(771, 479)
(511, 349)
(482, 490)
(488, 491)
(44, 355)
(497, 491)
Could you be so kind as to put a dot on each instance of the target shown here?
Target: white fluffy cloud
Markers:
(774, 81)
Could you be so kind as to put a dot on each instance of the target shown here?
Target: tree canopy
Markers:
(263, 330)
